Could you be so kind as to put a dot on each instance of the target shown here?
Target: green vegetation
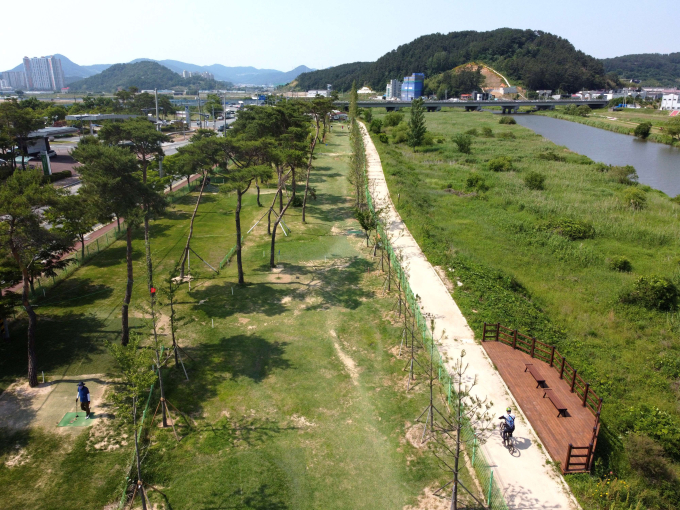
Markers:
(622, 264)
(540, 262)
(642, 130)
(507, 120)
(454, 83)
(652, 69)
(537, 59)
(143, 75)
(416, 124)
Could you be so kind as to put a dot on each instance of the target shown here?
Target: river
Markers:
(657, 165)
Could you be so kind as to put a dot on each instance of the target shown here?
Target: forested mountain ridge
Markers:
(143, 75)
(536, 59)
(652, 69)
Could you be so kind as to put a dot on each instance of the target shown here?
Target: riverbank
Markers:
(609, 125)
(540, 260)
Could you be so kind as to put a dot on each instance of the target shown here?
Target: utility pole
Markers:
(155, 93)
(200, 115)
(224, 113)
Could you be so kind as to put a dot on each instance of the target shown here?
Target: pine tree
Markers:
(416, 124)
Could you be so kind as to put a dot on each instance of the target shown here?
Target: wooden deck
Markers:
(556, 433)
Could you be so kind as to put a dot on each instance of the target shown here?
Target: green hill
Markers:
(536, 59)
(144, 75)
(652, 69)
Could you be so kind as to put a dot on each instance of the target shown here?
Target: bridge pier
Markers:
(510, 109)
(473, 108)
(392, 108)
(434, 108)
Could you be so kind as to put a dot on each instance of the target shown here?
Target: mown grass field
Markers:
(518, 270)
(298, 398)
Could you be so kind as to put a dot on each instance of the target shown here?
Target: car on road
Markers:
(222, 127)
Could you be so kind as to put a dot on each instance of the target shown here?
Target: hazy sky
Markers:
(284, 34)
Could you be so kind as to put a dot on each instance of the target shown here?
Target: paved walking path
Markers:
(526, 480)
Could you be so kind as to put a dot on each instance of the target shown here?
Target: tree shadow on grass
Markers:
(218, 301)
(74, 291)
(263, 497)
(232, 358)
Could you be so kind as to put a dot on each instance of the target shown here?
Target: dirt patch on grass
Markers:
(428, 501)
(18, 458)
(414, 435)
(349, 363)
(442, 274)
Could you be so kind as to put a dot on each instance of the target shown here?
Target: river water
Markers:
(657, 165)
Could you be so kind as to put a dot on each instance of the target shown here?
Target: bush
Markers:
(383, 138)
(501, 164)
(571, 229)
(653, 292)
(621, 264)
(440, 140)
(393, 119)
(367, 114)
(400, 133)
(376, 126)
(472, 132)
(642, 130)
(551, 156)
(428, 139)
(624, 174)
(647, 458)
(635, 198)
(507, 120)
(507, 135)
(578, 111)
(659, 425)
(464, 143)
(476, 182)
(534, 180)
(57, 176)
(487, 132)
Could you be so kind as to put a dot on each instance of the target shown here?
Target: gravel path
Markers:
(527, 481)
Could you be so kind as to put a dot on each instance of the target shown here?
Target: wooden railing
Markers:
(549, 354)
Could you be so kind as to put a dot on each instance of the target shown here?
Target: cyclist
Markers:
(509, 425)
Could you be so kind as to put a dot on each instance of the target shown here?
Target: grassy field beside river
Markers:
(521, 263)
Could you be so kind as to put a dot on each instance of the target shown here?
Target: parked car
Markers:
(37, 157)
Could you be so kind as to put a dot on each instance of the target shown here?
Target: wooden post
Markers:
(590, 452)
(552, 356)
(566, 466)
(533, 346)
(573, 380)
(484, 333)
(514, 339)
(498, 328)
(562, 369)
(585, 394)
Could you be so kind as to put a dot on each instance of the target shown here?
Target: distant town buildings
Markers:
(670, 102)
(206, 75)
(44, 73)
(314, 93)
(393, 90)
(412, 87)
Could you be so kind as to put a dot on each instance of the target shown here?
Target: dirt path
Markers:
(527, 481)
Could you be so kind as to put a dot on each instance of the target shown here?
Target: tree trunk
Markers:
(269, 220)
(31, 279)
(118, 222)
(191, 229)
(82, 247)
(272, 262)
(139, 461)
(147, 246)
(32, 322)
(188, 182)
(125, 338)
(172, 326)
(309, 169)
(237, 215)
(257, 185)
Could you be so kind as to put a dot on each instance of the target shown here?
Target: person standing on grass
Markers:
(84, 396)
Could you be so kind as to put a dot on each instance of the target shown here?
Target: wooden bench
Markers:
(535, 373)
(561, 408)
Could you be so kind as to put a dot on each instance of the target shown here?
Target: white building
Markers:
(365, 90)
(508, 90)
(670, 102)
(44, 73)
(314, 93)
(393, 90)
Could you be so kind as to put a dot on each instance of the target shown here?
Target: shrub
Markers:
(624, 174)
(507, 120)
(571, 229)
(507, 135)
(642, 130)
(621, 264)
(635, 198)
(551, 156)
(400, 133)
(501, 164)
(601, 167)
(393, 119)
(57, 176)
(487, 132)
(383, 138)
(376, 126)
(367, 114)
(534, 180)
(653, 292)
(472, 132)
(440, 140)
(656, 424)
(428, 139)
(578, 111)
(647, 458)
(476, 182)
(464, 143)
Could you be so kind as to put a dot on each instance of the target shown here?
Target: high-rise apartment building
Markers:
(15, 79)
(44, 73)
(412, 88)
(393, 89)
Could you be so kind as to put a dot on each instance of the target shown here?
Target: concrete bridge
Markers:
(507, 106)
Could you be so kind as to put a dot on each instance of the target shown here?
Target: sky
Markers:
(285, 34)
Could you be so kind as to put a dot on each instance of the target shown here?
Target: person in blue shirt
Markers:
(84, 396)
(509, 426)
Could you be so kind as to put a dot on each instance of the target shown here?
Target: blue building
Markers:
(412, 88)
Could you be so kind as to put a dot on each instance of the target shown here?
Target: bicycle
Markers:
(508, 441)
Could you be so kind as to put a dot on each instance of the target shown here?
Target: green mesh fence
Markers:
(493, 496)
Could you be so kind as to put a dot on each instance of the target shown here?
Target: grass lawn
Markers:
(518, 270)
(298, 397)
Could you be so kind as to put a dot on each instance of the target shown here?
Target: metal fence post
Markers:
(474, 450)
(488, 498)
